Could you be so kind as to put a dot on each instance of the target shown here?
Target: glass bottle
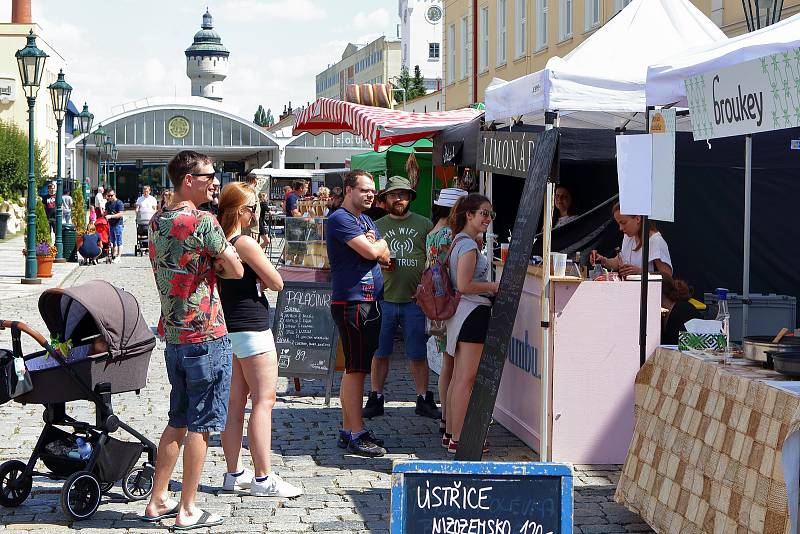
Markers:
(724, 317)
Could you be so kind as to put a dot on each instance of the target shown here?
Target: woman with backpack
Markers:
(437, 245)
(466, 330)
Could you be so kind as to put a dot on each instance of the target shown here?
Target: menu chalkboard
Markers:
(506, 303)
(490, 497)
(305, 334)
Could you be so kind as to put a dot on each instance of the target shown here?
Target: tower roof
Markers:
(207, 42)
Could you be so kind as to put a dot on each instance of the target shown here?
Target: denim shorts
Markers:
(246, 344)
(115, 235)
(409, 316)
(200, 376)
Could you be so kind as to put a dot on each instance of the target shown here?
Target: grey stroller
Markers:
(109, 353)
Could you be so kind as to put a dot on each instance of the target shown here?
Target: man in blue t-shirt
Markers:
(299, 190)
(114, 212)
(355, 250)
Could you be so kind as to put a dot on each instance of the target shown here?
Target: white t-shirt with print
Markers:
(658, 251)
(147, 208)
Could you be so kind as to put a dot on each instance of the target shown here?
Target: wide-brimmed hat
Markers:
(449, 196)
(398, 183)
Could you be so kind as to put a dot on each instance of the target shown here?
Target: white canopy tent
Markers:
(606, 73)
(665, 80)
(665, 86)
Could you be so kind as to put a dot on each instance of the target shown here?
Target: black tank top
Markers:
(244, 309)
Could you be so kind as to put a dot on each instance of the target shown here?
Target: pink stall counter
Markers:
(594, 348)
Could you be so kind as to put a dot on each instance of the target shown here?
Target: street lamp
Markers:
(60, 92)
(114, 156)
(107, 145)
(30, 61)
(761, 13)
(99, 139)
(85, 120)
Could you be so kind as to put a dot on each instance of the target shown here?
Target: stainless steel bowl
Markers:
(755, 348)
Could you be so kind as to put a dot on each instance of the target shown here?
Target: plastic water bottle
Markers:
(724, 317)
(84, 448)
(438, 289)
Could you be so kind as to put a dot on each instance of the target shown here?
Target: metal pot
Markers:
(756, 348)
(786, 363)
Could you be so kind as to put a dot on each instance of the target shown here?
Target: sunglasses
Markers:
(199, 174)
(251, 208)
(486, 213)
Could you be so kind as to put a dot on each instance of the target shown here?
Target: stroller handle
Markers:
(39, 338)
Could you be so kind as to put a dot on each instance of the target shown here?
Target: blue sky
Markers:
(119, 51)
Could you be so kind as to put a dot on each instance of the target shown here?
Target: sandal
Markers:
(453, 447)
(166, 515)
(446, 440)
(202, 522)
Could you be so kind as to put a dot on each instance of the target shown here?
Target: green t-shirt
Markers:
(406, 238)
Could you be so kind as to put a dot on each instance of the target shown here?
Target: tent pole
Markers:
(645, 272)
(544, 416)
(748, 191)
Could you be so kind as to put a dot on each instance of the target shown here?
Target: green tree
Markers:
(260, 116)
(42, 226)
(14, 161)
(78, 209)
(270, 119)
(418, 83)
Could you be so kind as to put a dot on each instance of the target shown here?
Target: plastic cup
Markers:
(559, 263)
(503, 252)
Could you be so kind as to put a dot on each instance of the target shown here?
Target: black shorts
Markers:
(476, 325)
(359, 325)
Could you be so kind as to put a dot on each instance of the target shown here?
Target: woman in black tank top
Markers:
(255, 366)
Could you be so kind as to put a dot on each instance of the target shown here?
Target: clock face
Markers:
(434, 14)
(178, 127)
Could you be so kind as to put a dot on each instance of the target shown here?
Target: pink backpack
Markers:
(435, 293)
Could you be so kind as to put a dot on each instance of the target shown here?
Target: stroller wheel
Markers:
(80, 496)
(14, 489)
(138, 483)
(106, 487)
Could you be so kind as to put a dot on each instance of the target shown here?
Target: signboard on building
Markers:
(506, 152)
(8, 90)
(755, 96)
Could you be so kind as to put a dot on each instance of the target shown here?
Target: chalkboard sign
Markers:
(305, 334)
(506, 303)
(488, 497)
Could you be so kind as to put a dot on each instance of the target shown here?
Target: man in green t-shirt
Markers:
(405, 234)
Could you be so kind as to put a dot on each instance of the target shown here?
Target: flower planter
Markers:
(44, 266)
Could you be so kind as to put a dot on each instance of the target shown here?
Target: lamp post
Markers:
(107, 146)
(761, 13)
(60, 92)
(30, 61)
(85, 121)
(114, 156)
(99, 140)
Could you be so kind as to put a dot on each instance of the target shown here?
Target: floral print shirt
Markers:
(183, 245)
(438, 244)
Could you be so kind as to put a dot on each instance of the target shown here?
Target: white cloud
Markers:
(265, 12)
(380, 18)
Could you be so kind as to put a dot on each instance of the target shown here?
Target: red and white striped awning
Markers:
(380, 126)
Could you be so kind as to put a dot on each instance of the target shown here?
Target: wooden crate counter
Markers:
(706, 453)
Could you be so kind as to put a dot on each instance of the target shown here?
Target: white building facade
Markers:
(421, 23)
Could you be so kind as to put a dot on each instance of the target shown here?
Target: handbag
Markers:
(13, 383)
(435, 328)
(435, 294)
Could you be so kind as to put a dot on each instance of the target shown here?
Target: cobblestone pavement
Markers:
(342, 493)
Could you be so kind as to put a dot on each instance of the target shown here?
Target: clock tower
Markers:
(421, 23)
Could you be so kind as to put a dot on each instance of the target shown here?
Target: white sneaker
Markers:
(274, 486)
(115, 260)
(242, 482)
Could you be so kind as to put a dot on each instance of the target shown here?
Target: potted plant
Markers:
(45, 251)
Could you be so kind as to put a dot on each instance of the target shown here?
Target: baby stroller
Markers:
(97, 317)
(101, 225)
(142, 244)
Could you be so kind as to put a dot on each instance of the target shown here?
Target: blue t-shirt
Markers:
(291, 203)
(353, 278)
(114, 208)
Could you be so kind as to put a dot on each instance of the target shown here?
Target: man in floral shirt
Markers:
(188, 250)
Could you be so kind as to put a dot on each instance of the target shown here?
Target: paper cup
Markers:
(559, 263)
